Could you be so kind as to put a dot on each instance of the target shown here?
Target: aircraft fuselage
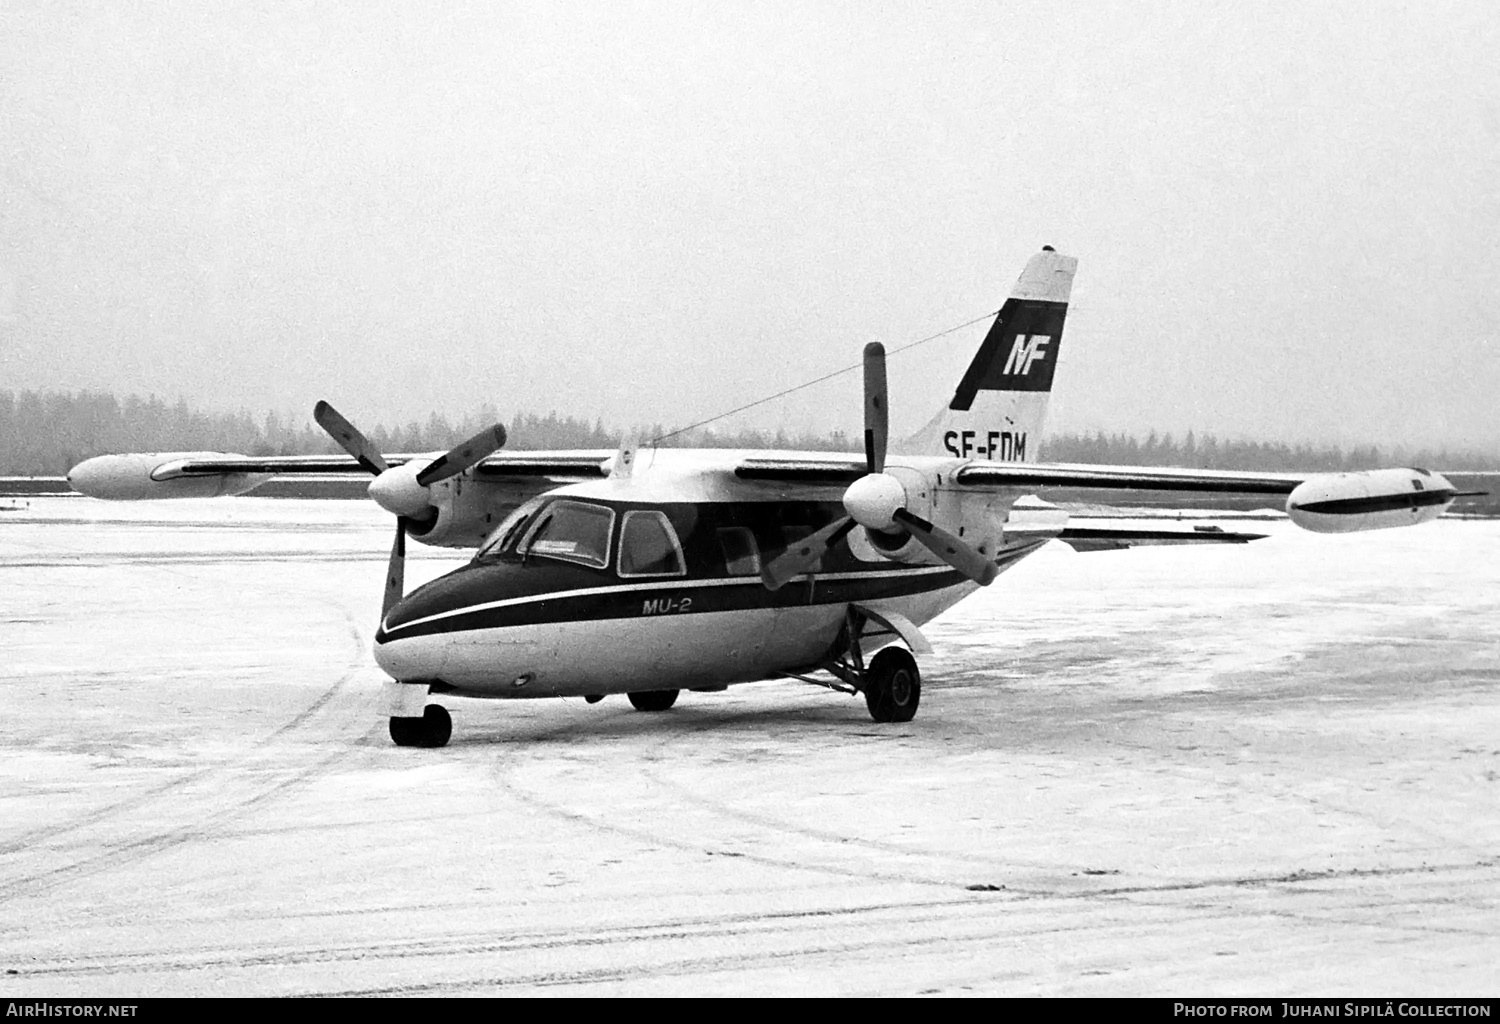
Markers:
(533, 617)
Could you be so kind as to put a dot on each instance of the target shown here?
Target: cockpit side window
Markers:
(741, 556)
(570, 531)
(502, 540)
(649, 546)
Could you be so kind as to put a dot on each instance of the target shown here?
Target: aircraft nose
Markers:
(416, 640)
(432, 607)
(407, 650)
(412, 659)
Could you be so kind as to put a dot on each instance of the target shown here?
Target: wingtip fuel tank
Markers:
(1372, 500)
(137, 477)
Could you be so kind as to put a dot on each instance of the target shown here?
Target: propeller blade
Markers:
(949, 548)
(395, 573)
(472, 452)
(349, 439)
(802, 556)
(877, 421)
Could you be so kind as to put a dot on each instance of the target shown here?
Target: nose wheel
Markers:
(431, 730)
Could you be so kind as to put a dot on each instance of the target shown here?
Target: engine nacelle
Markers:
(467, 511)
(976, 518)
(138, 477)
(457, 512)
(397, 491)
(874, 545)
(1372, 500)
(871, 500)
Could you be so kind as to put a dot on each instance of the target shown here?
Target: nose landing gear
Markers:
(431, 730)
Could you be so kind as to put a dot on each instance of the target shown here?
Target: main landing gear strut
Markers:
(891, 682)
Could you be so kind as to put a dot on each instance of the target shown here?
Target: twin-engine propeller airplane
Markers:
(646, 572)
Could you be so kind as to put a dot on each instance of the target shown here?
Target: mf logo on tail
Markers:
(1027, 349)
(1018, 354)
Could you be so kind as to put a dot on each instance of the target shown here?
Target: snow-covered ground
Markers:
(1271, 769)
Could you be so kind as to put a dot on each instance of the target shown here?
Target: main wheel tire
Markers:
(433, 729)
(407, 732)
(438, 725)
(893, 686)
(653, 700)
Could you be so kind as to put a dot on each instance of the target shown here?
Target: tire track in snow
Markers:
(286, 778)
(947, 912)
(829, 835)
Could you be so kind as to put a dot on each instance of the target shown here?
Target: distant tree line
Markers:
(45, 433)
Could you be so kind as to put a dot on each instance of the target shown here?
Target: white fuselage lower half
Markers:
(658, 651)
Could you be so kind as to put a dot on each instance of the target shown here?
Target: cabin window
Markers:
(570, 531)
(791, 533)
(649, 547)
(741, 556)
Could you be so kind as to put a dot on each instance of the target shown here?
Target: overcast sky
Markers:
(1287, 216)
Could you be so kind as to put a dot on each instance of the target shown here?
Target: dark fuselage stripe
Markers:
(1377, 503)
(692, 598)
(689, 599)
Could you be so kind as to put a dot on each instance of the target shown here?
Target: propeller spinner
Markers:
(877, 501)
(404, 490)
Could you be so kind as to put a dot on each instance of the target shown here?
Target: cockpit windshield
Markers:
(569, 531)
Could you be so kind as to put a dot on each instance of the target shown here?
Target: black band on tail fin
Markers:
(1019, 353)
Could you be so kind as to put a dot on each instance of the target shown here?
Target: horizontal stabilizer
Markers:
(1117, 538)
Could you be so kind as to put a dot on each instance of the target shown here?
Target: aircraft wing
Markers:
(1321, 502)
(209, 474)
(1034, 477)
(579, 465)
(572, 465)
(1045, 476)
(798, 469)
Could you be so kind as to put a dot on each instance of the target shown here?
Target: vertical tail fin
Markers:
(1000, 405)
